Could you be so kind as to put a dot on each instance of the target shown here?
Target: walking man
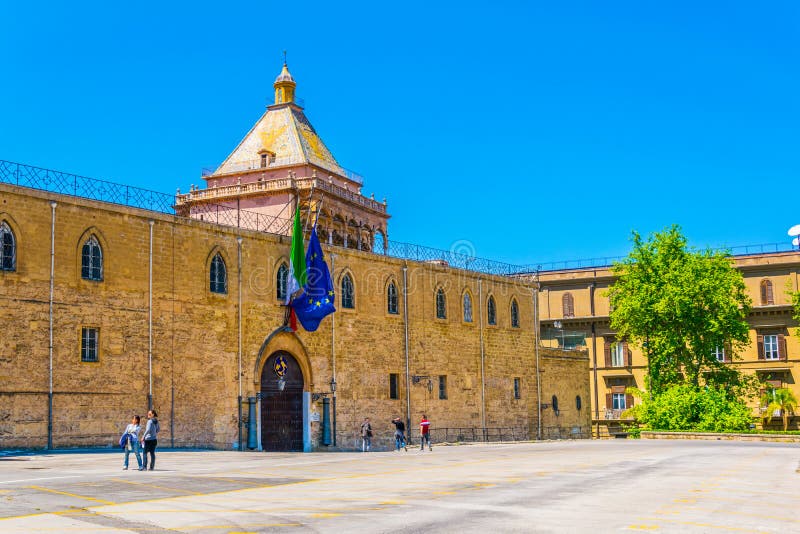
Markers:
(424, 433)
(399, 434)
(366, 435)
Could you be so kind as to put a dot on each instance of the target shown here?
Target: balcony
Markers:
(229, 192)
(256, 165)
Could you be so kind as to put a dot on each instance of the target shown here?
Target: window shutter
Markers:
(763, 292)
(628, 354)
(782, 354)
(770, 298)
(609, 402)
(760, 344)
(727, 356)
(628, 400)
(607, 350)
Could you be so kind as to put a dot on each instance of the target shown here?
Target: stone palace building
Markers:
(116, 299)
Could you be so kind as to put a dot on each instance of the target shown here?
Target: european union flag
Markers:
(316, 300)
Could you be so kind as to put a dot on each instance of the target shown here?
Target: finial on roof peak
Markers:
(284, 84)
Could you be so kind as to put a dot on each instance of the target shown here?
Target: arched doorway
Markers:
(281, 403)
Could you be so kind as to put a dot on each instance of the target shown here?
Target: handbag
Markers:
(123, 440)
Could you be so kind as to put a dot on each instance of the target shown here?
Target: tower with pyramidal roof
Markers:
(281, 162)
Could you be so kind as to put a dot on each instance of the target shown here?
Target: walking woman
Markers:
(149, 439)
(132, 443)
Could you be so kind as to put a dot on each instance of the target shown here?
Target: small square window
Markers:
(394, 380)
(89, 338)
(442, 387)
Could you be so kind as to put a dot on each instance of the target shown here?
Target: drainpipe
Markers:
(239, 341)
(594, 354)
(52, 277)
(538, 330)
(333, 358)
(483, 356)
(150, 322)
(405, 327)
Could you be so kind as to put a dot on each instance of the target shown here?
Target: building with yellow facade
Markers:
(117, 299)
(574, 312)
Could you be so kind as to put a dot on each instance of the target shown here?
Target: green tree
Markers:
(796, 306)
(679, 305)
(779, 400)
(685, 407)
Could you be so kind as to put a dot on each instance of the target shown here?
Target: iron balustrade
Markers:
(473, 435)
(81, 186)
(228, 215)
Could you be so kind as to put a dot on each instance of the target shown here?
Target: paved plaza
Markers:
(569, 486)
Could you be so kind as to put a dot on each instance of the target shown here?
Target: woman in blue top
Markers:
(132, 444)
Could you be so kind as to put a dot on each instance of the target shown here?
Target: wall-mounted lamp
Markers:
(416, 379)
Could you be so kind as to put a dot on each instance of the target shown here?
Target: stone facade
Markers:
(200, 340)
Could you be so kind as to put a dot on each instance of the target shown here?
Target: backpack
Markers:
(123, 440)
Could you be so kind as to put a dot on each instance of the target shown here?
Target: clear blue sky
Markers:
(537, 131)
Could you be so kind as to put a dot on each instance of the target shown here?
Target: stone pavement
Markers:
(570, 486)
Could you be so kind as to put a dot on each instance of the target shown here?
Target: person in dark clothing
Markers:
(399, 434)
(366, 435)
(150, 439)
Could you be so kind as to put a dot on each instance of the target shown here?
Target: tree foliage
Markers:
(796, 307)
(679, 304)
(781, 401)
(685, 407)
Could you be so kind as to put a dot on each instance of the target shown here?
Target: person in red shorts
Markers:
(424, 433)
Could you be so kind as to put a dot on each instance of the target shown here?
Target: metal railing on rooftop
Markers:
(81, 186)
(100, 190)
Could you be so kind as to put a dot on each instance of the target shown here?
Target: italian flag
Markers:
(297, 265)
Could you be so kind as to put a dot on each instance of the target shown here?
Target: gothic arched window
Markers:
(514, 314)
(8, 248)
(491, 311)
(219, 275)
(467, 308)
(348, 296)
(281, 281)
(92, 260)
(391, 298)
(441, 308)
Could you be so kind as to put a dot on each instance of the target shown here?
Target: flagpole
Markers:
(310, 198)
(316, 215)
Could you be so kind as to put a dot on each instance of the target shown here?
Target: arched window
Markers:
(766, 293)
(282, 281)
(391, 298)
(8, 248)
(441, 308)
(467, 308)
(219, 275)
(348, 297)
(491, 311)
(92, 260)
(514, 314)
(568, 305)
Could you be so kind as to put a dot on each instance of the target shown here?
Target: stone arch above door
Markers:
(283, 339)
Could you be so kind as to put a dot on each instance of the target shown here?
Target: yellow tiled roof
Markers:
(286, 132)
